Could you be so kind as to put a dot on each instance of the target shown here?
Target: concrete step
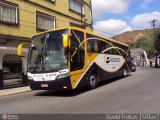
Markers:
(12, 81)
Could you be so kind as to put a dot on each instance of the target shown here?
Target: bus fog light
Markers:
(62, 75)
(65, 87)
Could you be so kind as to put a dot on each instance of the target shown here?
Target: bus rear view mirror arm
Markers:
(19, 49)
(65, 40)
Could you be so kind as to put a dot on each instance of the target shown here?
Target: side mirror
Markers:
(19, 49)
(65, 40)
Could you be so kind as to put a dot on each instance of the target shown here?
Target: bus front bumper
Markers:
(63, 83)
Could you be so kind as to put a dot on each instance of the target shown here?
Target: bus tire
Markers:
(93, 80)
(124, 72)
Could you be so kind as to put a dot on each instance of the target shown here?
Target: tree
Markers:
(145, 44)
(157, 42)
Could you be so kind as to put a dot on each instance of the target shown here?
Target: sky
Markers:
(118, 16)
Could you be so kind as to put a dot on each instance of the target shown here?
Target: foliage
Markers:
(157, 42)
(150, 42)
(145, 44)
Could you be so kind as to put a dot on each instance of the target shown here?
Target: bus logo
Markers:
(112, 59)
(108, 60)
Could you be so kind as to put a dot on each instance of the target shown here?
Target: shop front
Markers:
(12, 68)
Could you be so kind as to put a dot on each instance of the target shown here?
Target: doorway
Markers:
(12, 70)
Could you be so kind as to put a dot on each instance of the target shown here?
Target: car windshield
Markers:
(46, 52)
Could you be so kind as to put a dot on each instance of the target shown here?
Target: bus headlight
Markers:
(62, 75)
(30, 78)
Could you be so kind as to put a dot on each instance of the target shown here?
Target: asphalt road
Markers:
(137, 93)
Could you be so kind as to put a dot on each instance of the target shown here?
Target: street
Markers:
(137, 93)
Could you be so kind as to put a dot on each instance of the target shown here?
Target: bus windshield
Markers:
(47, 53)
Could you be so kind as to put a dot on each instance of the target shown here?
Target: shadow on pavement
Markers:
(63, 93)
(108, 81)
(72, 93)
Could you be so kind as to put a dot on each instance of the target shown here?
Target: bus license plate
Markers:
(44, 85)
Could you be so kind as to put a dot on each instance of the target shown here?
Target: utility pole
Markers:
(153, 25)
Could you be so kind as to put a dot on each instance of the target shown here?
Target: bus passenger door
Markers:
(77, 56)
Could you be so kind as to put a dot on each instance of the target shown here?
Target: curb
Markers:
(13, 91)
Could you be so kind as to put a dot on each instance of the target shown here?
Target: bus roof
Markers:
(86, 31)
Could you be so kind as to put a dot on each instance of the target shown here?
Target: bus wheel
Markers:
(93, 81)
(124, 73)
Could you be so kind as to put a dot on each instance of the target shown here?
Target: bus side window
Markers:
(95, 46)
(101, 46)
(117, 52)
(111, 51)
(90, 46)
(107, 45)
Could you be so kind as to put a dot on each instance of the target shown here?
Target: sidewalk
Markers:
(12, 91)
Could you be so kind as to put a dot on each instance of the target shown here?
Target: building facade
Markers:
(21, 19)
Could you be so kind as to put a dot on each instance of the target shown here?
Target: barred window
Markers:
(8, 13)
(76, 6)
(45, 22)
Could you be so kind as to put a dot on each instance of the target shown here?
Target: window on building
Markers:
(76, 6)
(45, 22)
(8, 13)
